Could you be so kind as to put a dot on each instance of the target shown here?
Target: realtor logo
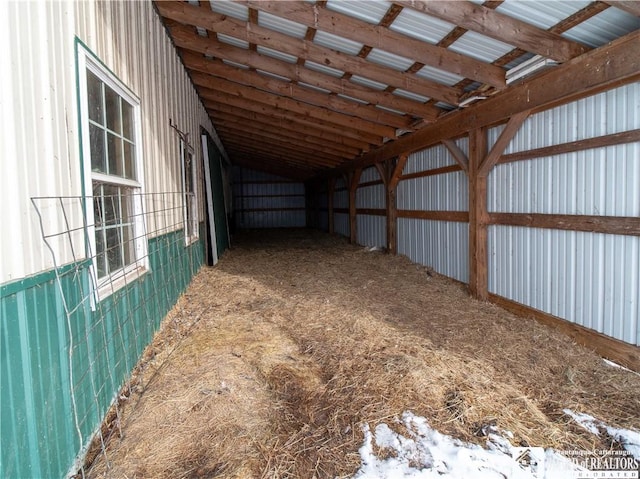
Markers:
(530, 459)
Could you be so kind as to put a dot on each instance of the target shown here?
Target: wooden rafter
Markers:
(501, 27)
(242, 103)
(313, 135)
(222, 90)
(297, 74)
(606, 67)
(268, 138)
(304, 154)
(266, 113)
(229, 78)
(378, 36)
(204, 17)
(248, 127)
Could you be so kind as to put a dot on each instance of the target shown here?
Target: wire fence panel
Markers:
(102, 317)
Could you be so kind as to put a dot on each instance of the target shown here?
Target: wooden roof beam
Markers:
(288, 142)
(288, 127)
(606, 67)
(264, 113)
(228, 76)
(240, 144)
(223, 89)
(257, 143)
(204, 17)
(249, 127)
(231, 102)
(300, 74)
(499, 26)
(377, 36)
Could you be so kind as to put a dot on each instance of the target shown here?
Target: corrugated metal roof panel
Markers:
(281, 25)
(389, 59)
(357, 100)
(236, 42)
(368, 83)
(232, 9)
(604, 27)
(439, 76)
(285, 57)
(313, 87)
(272, 75)
(234, 64)
(542, 13)
(480, 47)
(391, 110)
(411, 96)
(371, 11)
(317, 67)
(423, 27)
(337, 43)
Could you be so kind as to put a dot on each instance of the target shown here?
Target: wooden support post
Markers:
(481, 162)
(331, 186)
(353, 187)
(394, 172)
(478, 216)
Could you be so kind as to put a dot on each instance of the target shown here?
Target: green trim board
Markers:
(31, 281)
(49, 409)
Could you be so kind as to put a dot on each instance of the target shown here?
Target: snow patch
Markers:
(629, 439)
(426, 453)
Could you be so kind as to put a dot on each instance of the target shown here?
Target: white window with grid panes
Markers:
(110, 119)
(189, 182)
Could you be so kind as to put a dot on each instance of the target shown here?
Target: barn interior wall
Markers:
(63, 357)
(590, 278)
(263, 200)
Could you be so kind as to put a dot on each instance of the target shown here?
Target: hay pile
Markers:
(300, 338)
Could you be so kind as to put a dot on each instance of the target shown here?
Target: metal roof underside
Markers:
(297, 88)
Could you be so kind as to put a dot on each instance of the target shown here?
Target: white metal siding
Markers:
(369, 174)
(373, 196)
(283, 201)
(441, 245)
(434, 157)
(590, 279)
(38, 101)
(372, 230)
(599, 182)
(341, 224)
(446, 192)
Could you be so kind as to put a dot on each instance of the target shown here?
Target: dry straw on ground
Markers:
(282, 351)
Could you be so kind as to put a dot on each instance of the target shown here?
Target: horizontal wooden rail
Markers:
(573, 146)
(371, 211)
(621, 225)
(371, 183)
(622, 353)
(458, 216)
(436, 171)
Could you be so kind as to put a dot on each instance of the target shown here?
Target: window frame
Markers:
(189, 199)
(105, 286)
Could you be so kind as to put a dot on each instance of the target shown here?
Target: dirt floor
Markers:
(272, 361)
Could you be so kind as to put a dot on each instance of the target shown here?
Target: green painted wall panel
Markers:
(39, 436)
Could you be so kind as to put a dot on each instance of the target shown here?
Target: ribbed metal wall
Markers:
(587, 278)
(341, 224)
(441, 245)
(323, 215)
(283, 201)
(371, 229)
(446, 192)
(42, 433)
(40, 113)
